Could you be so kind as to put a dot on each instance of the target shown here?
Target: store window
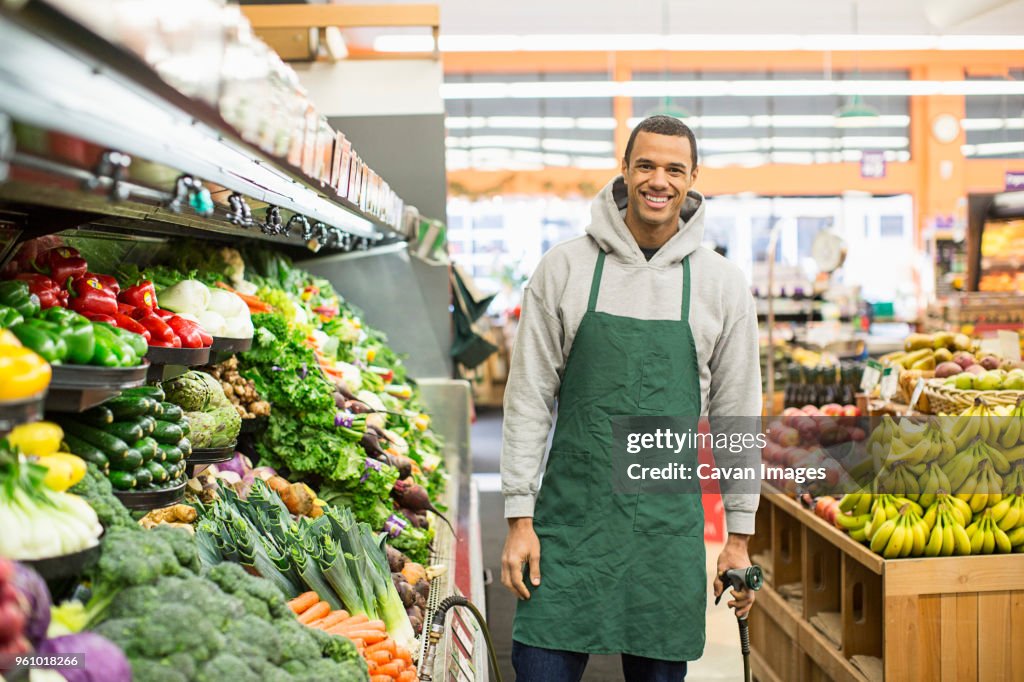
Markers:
(890, 226)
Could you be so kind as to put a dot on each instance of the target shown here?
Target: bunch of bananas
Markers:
(933, 482)
(982, 488)
(914, 443)
(979, 461)
(947, 535)
(905, 535)
(1012, 436)
(981, 421)
(987, 537)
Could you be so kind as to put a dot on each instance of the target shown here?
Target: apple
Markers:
(771, 452)
(811, 410)
(808, 428)
(791, 413)
(963, 359)
(857, 434)
(788, 436)
(832, 410)
(851, 413)
(821, 505)
(990, 362)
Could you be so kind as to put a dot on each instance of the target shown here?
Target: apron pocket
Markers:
(669, 514)
(656, 380)
(565, 489)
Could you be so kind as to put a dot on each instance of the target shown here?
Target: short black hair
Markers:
(664, 125)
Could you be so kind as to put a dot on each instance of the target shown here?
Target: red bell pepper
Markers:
(90, 295)
(163, 314)
(107, 281)
(61, 264)
(160, 332)
(187, 331)
(48, 290)
(142, 295)
(96, 317)
(122, 321)
(125, 309)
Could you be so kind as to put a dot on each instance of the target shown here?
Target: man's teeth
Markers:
(655, 200)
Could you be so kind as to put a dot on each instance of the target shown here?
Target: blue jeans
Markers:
(533, 664)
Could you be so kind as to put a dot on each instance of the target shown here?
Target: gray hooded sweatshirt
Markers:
(723, 319)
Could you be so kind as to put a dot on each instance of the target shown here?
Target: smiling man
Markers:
(635, 318)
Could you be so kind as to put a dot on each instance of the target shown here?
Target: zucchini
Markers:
(154, 392)
(100, 416)
(110, 444)
(147, 447)
(123, 480)
(129, 461)
(143, 476)
(186, 426)
(185, 445)
(172, 413)
(127, 407)
(172, 455)
(157, 409)
(89, 453)
(166, 432)
(159, 474)
(129, 432)
(148, 425)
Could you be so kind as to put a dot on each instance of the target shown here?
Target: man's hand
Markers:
(521, 546)
(734, 555)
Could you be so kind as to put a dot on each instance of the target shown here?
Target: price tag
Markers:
(918, 390)
(1009, 345)
(890, 383)
(872, 375)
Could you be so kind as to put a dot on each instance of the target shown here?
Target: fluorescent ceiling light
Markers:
(692, 43)
(529, 123)
(744, 88)
(992, 148)
(780, 121)
(583, 146)
(992, 123)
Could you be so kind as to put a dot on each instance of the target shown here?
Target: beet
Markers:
(415, 497)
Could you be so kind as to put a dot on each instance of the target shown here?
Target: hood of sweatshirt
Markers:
(608, 227)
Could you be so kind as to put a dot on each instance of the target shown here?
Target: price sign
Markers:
(872, 375)
(890, 383)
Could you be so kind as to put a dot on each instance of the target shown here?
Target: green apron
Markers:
(621, 572)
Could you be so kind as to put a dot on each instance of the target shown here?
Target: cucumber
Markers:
(166, 432)
(129, 432)
(154, 392)
(99, 416)
(159, 474)
(172, 413)
(128, 407)
(110, 444)
(157, 409)
(123, 480)
(186, 426)
(143, 476)
(147, 447)
(185, 445)
(89, 453)
(129, 461)
(172, 455)
(148, 425)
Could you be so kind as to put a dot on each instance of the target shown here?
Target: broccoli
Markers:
(261, 597)
(150, 635)
(259, 636)
(156, 671)
(227, 667)
(95, 489)
(339, 649)
(182, 543)
(296, 642)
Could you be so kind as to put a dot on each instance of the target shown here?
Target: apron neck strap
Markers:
(595, 283)
(685, 313)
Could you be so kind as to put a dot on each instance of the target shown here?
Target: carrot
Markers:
(315, 612)
(407, 675)
(387, 645)
(392, 670)
(359, 644)
(368, 625)
(358, 618)
(368, 636)
(379, 657)
(381, 678)
(403, 653)
(303, 602)
(254, 303)
(333, 618)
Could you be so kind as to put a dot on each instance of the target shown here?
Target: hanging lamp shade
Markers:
(854, 113)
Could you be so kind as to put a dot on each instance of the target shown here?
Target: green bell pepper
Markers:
(9, 317)
(15, 294)
(135, 341)
(111, 350)
(77, 332)
(37, 335)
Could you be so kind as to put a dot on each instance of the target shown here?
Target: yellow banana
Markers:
(1000, 509)
(920, 532)
(934, 546)
(1002, 540)
(969, 433)
(931, 515)
(911, 432)
(849, 523)
(863, 505)
(895, 545)
(961, 507)
(948, 543)
(882, 535)
(961, 539)
(1011, 436)
(988, 543)
(977, 538)
(1016, 537)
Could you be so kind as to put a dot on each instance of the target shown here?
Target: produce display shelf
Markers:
(88, 377)
(145, 500)
(16, 412)
(204, 457)
(77, 399)
(76, 96)
(919, 619)
(62, 573)
(185, 357)
(223, 344)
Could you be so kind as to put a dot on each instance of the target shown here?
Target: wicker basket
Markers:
(949, 400)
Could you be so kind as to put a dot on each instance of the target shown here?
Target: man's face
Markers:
(659, 174)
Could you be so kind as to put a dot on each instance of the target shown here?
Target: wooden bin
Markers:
(921, 620)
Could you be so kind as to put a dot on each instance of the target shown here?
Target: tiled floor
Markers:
(721, 659)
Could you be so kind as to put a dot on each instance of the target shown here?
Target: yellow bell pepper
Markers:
(7, 338)
(23, 374)
(63, 470)
(421, 422)
(38, 438)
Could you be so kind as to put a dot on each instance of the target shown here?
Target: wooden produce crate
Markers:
(833, 610)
